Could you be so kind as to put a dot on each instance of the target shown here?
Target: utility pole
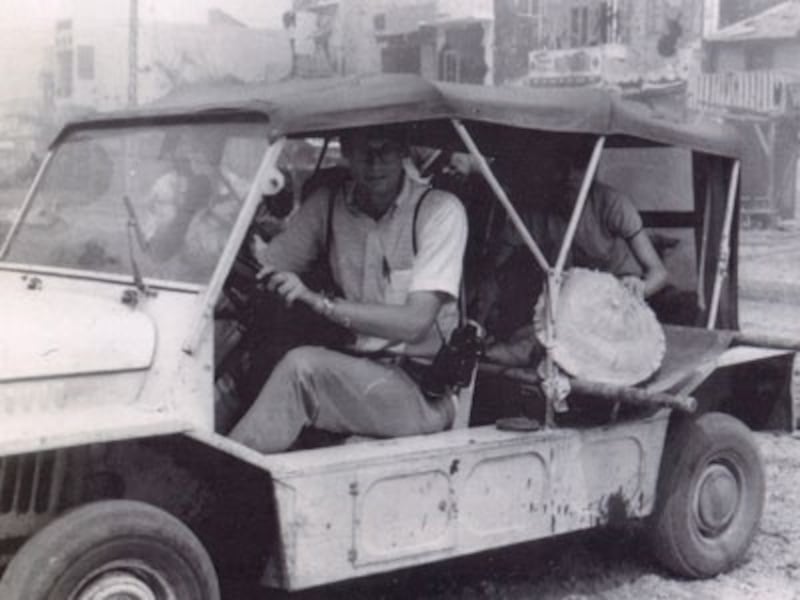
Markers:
(133, 52)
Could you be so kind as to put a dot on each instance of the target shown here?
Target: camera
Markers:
(455, 362)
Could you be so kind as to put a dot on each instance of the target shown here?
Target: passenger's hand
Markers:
(290, 287)
(635, 285)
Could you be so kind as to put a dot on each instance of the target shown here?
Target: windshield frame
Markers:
(267, 174)
(67, 133)
(22, 211)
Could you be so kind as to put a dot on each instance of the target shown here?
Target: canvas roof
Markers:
(301, 107)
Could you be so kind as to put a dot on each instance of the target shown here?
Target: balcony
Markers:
(769, 92)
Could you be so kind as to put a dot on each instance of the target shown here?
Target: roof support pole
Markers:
(724, 246)
(500, 193)
(702, 303)
(583, 195)
(553, 385)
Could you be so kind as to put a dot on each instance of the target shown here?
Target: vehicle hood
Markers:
(46, 334)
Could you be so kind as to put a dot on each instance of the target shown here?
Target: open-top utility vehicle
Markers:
(114, 476)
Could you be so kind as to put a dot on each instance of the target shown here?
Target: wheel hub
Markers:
(118, 585)
(718, 496)
(124, 582)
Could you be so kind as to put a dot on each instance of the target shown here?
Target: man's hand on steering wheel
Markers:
(287, 285)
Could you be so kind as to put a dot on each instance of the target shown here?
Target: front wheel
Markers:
(710, 496)
(108, 550)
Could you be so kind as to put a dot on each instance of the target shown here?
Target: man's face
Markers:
(376, 163)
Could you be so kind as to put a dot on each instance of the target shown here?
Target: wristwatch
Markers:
(327, 308)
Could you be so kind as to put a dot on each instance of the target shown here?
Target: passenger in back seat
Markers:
(610, 237)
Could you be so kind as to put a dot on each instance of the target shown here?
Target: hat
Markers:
(603, 332)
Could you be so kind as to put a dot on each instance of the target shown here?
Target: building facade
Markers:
(92, 59)
(751, 78)
(440, 39)
(623, 43)
(620, 43)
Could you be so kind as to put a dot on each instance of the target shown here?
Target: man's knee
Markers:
(302, 360)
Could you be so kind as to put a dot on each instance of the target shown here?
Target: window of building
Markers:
(379, 22)
(531, 8)
(85, 56)
(64, 74)
(529, 24)
(64, 61)
(758, 57)
(579, 26)
(451, 66)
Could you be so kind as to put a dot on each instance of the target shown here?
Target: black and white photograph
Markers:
(399, 299)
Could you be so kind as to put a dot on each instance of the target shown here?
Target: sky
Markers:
(27, 28)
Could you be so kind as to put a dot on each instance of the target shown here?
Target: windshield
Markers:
(162, 197)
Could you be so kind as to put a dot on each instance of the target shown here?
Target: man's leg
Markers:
(339, 393)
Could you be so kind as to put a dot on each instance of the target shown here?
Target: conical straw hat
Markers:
(603, 332)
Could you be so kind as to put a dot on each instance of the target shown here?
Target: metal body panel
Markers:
(97, 336)
(142, 382)
(351, 511)
(746, 354)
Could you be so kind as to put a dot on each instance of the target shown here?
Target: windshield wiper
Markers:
(134, 230)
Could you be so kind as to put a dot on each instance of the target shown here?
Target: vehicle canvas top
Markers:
(304, 107)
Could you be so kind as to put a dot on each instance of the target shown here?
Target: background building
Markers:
(440, 39)
(752, 79)
(92, 58)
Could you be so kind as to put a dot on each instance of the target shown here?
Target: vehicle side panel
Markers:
(378, 506)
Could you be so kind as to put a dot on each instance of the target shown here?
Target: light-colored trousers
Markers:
(332, 391)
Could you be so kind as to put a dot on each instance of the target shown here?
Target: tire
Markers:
(710, 496)
(112, 549)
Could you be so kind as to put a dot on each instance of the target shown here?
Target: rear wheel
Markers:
(111, 550)
(710, 496)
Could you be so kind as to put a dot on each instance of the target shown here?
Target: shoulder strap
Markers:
(416, 215)
(329, 223)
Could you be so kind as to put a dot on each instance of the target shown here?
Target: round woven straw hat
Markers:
(603, 332)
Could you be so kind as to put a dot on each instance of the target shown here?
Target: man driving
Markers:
(395, 249)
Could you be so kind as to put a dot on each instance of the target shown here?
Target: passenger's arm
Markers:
(655, 273)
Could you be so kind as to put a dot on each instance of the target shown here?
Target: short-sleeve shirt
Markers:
(609, 221)
(607, 224)
(373, 261)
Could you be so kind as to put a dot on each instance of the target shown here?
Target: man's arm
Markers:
(623, 219)
(408, 322)
(655, 273)
(435, 280)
